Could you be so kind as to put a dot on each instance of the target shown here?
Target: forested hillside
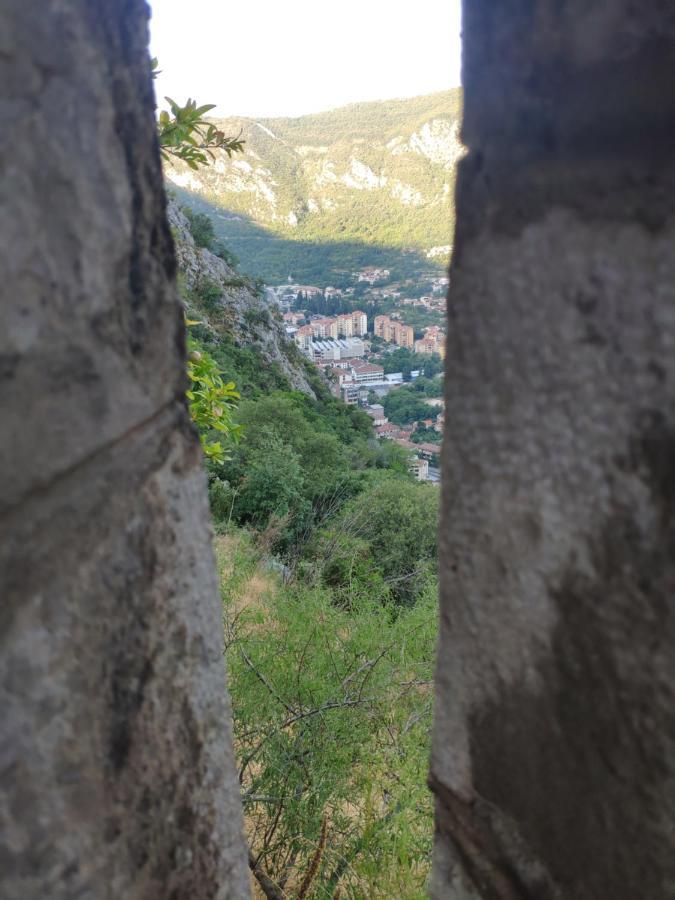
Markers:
(327, 546)
(344, 188)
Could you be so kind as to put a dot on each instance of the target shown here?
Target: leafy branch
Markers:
(211, 402)
(185, 134)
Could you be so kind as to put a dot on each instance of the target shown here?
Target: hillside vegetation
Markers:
(332, 709)
(379, 175)
(327, 555)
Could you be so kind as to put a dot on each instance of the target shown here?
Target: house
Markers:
(293, 318)
(338, 375)
(419, 468)
(406, 444)
(387, 430)
(371, 274)
(376, 412)
(428, 451)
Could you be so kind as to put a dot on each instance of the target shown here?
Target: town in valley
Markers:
(378, 342)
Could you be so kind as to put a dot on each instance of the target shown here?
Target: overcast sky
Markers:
(289, 57)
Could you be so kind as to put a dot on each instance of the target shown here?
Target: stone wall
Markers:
(554, 747)
(117, 777)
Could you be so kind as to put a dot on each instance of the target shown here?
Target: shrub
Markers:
(332, 714)
(208, 294)
(201, 228)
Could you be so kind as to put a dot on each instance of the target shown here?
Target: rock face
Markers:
(554, 747)
(250, 320)
(117, 775)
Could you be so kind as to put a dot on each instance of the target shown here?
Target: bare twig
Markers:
(316, 859)
(269, 887)
(264, 681)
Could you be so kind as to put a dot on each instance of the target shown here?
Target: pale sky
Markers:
(289, 57)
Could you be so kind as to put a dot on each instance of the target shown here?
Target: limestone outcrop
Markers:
(243, 315)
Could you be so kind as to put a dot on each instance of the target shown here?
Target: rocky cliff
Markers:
(240, 312)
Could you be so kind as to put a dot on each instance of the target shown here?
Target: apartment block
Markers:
(394, 332)
(303, 337)
(324, 328)
(432, 342)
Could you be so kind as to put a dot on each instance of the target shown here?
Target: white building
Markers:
(337, 349)
(419, 468)
(367, 373)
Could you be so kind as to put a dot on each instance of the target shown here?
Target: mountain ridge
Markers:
(379, 173)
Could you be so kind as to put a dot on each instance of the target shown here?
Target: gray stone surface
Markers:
(554, 744)
(116, 772)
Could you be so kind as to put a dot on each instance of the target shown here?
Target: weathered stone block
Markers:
(117, 776)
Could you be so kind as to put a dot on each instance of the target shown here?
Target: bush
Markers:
(208, 294)
(398, 519)
(226, 255)
(257, 316)
(201, 228)
(221, 499)
(332, 714)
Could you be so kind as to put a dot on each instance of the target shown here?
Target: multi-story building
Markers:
(394, 332)
(381, 326)
(336, 349)
(353, 382)
(404, 336)
(354, 323)
(351, 393)
(359, 322)
(432, 342)
(324, 328)
(366, 373)
(345, 325)
(292, 318)
(419, 468)
(426, 346)
(303, 337)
